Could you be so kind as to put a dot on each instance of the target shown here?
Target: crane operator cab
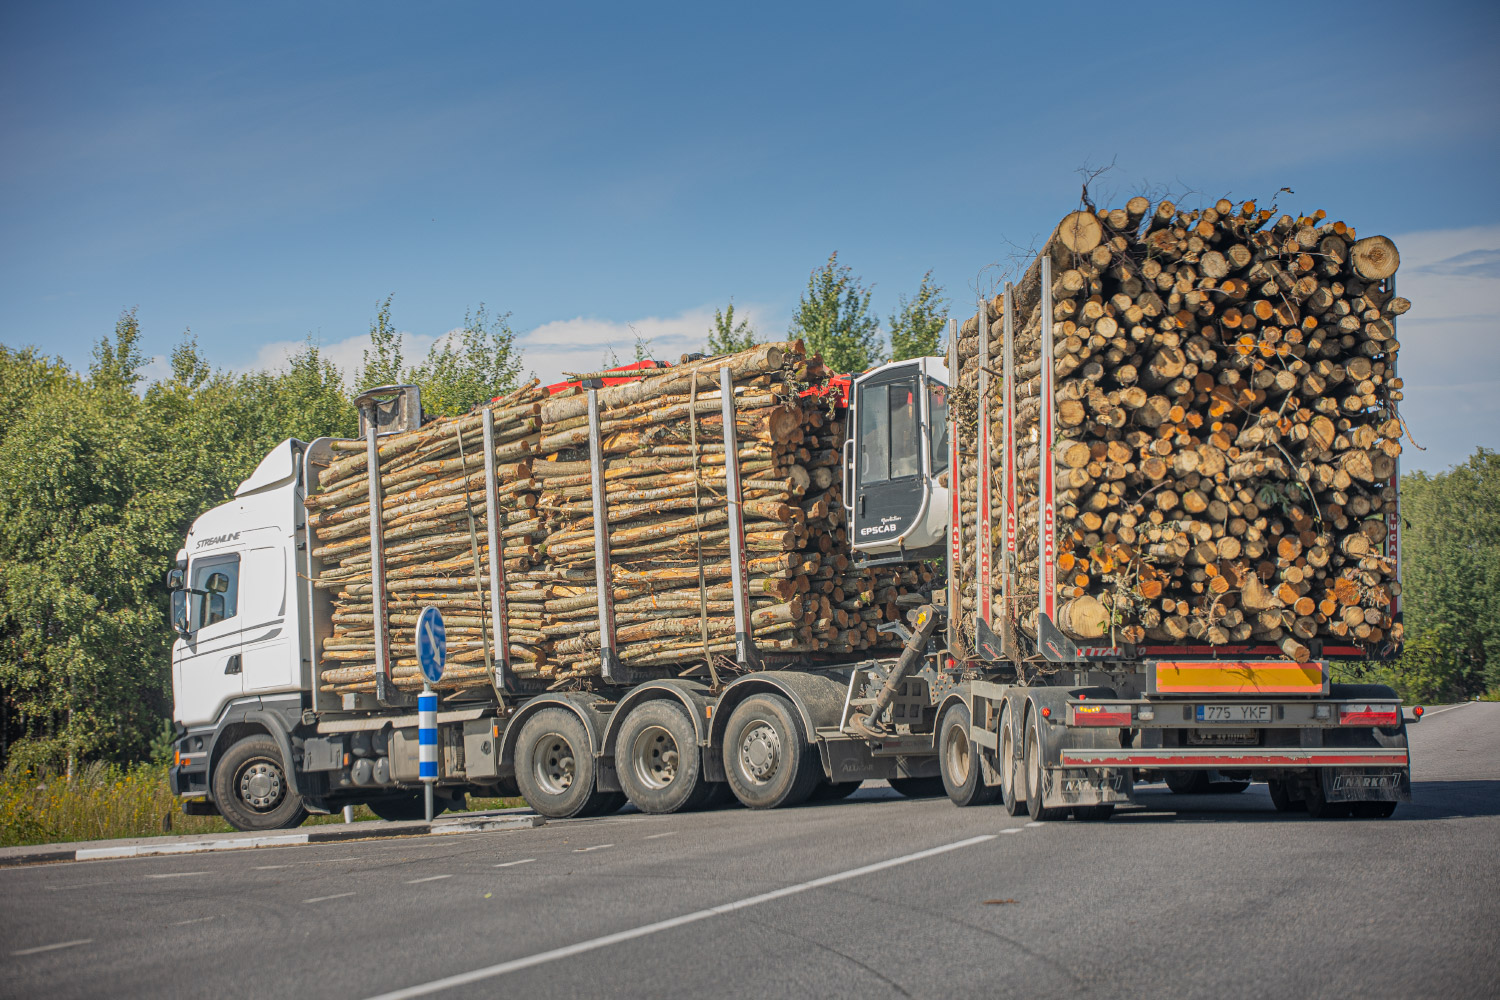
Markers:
(898, 509)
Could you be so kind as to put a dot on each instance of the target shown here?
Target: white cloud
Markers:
(584, 343)
(547, 351)
(1450, 344)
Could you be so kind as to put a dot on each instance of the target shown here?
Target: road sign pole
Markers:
(427, 744)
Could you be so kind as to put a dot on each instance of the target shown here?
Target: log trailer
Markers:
(993, 708)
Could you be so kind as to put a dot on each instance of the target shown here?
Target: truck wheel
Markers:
(767, 762)
(1034, 774)
(1187, 782)
(1281, 796)
(1012, 790)
(657, 759)
(918, 788)
(555, 765)
(828, 791)
(1319, 807)
(958, 756)
(251, 787)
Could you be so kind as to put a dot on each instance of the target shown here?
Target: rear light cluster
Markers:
(1369, 715)
(1101, 715)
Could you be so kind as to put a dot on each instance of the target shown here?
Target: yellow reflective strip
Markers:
(1239, 678)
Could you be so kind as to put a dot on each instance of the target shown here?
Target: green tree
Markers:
(728, 336)
(1451, 580)
(917, 324)
(834, 319)
(381, 362)
(477, 364)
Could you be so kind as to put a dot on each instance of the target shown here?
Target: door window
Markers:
(216, 582)
(890, 432)
(937, 416)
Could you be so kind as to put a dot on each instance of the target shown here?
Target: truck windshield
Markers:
(889, 431)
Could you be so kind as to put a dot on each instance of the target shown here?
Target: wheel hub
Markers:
(760, 751)
(554, 765)
(958, 755)
(261, 785)
(655, 757)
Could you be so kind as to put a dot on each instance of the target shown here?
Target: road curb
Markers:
(43, 854)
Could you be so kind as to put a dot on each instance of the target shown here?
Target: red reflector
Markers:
(1101, 715)
(1417, 711)
(1046, 713)
(1369, 715)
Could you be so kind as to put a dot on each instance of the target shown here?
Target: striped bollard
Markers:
(427, 762)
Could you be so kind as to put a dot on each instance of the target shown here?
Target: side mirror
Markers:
(180, 614)
(218, 583)
(175, 579)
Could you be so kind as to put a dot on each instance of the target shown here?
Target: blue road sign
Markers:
(432, 644)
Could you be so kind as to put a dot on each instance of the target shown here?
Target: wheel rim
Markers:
(959, 755)
(760, 752)
(262, 784)
(552, 766)
(1007, 766)
(654, 757)
(1033, 772)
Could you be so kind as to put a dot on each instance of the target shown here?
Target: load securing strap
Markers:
(489, 662)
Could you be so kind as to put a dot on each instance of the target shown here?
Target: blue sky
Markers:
(261, 173)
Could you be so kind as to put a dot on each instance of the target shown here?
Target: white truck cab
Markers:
(241, 637)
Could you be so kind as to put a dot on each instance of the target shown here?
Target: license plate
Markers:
(1234, 713)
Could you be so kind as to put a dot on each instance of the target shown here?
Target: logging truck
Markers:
(1036, 721)
(1135, 563)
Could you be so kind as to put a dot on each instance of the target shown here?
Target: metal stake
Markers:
(744, 646)
(609, 663)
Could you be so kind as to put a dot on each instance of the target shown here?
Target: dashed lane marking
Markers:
(541, 958)
(669, 833)
(596, 847)
(1036, 822)
(430, 878)
(510, 864)
(1012, 830)
(176, 874)
(52, 947)
(323, 899)
(195, 920)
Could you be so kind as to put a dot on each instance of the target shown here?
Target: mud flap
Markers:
(1366, 784)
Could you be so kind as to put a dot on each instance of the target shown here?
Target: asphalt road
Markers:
(1213, 896)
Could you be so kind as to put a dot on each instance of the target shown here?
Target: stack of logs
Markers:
(433, 493)
(663, 451)
(663, 455)
(1226, 427)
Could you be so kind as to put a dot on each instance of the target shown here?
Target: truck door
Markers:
(890, 481)
(269, 644)
(207, 662)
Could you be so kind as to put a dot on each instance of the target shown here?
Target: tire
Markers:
(1320, 808)
(719, 793)
(1187, 782)
(828, 791)
(958, 757)
(657, 759)
(918, 788)
(399, 808)
(251, 787)
(1094, 814)
(1012, 785)
(1373, 810)
(555, 766)
(1034, 772)
(767, 761)
(1281, 797)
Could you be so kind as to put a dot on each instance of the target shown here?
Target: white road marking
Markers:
(1036, 822)
(430, 878)
(53, 947)
(541, 958)
(1450, 708)
(266, 868)
(176, 874)
(320, 899)
(669, 833)
(596, 847)
(1013, 830)
(196, 920)
(508, 864)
